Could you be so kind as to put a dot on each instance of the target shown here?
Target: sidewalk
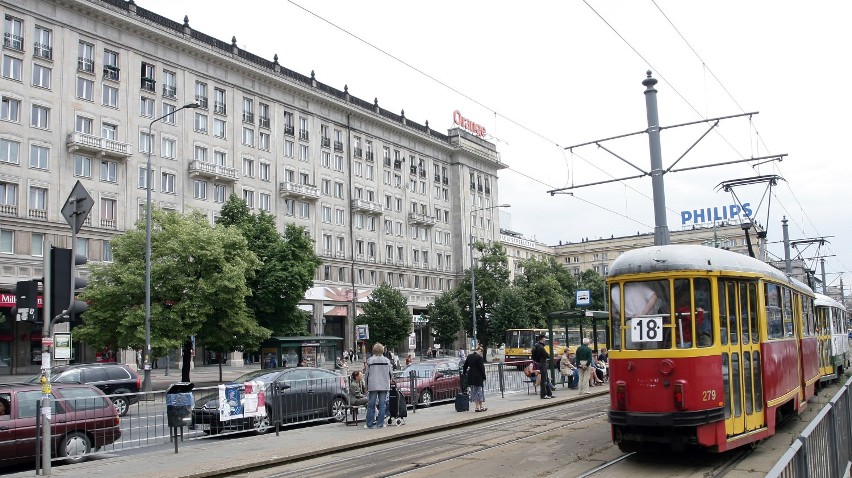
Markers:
(208, 457)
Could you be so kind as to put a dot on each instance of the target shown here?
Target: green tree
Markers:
(387, 315)
(512, 312)
(445, 318)
(491, 276)
(198, 283)
(285, 271)
(542, 289)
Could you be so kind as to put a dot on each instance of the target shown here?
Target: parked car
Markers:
(436, 380)
(293, 394)
(83, 420)
(114, 379)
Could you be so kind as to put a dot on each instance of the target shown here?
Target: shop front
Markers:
(319, 351)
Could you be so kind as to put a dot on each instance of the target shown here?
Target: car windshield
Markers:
(265, 376)
(420, 370)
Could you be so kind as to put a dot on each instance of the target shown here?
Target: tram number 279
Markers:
(646, 329)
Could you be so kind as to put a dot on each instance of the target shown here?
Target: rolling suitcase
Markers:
(397, 408)
(462, 402)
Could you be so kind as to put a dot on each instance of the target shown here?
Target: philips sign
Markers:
(731, 212)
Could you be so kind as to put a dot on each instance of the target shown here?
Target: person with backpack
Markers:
(540, 356)
(379, 375)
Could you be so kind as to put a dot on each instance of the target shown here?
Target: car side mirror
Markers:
(282, 386)
(439, 375)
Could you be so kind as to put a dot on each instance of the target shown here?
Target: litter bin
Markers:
(179, 403)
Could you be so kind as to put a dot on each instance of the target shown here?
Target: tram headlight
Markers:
(679, 395)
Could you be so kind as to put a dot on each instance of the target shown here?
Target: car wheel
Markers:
(261, 424)
(426, 397)
(337, 410)
(75, 447)
(122, 405)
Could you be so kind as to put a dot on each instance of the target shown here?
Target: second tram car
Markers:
(832, 329)
(709, 348)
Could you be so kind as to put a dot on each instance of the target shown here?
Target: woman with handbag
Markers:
(474, 368)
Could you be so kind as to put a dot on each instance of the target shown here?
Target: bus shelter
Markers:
(321, 351)
(576, 318)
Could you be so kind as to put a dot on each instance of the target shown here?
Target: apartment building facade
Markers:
(92, 88)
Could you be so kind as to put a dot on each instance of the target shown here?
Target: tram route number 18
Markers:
(647, 329)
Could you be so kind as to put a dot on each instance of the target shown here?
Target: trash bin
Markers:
(179, 403)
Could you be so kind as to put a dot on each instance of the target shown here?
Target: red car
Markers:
(83, 420)
(435, 380)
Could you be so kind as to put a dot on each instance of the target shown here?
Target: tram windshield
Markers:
(661, 314)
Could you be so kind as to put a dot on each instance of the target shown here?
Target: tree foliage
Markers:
(512, 312)
(285, 271)
(387, 315)
(445, 318)
(546, 287)
(198, 287)
(491, 277)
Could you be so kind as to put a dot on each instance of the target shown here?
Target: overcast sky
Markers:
(541, 76)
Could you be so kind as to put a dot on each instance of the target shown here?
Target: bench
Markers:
(531, 383)
(352, 414)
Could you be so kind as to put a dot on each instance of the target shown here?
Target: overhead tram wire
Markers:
(454, 90)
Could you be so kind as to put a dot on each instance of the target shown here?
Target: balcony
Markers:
(43, 51)
(368, 207)
(368, 156)
(15, 42)
(202, 101)
(108, 223)
(303, 135)
(112, 73)
(37, 214)
(170, 91)
(248, 117)
(211, 171)
(420, 219)
(400, 262)
(298, 191)
(389, 261)
(338, 146)
(422, 173)
(340, 255)
(397, 164)
(85, 64)
(97, 146)
(288, 129)
(412, 170)
(445, 180)
(263, 122)
(358, 152)
(8, 210)
(487, 190)
(148, 84)
(371, 259)
(325, 142)
(219, 108)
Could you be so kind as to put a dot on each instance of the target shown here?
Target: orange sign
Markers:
(467, 124)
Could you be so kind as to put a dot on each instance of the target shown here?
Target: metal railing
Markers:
(824, 448)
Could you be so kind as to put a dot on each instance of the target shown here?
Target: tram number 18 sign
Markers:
(646, 329)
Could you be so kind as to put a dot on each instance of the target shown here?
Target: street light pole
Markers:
(473, 276)
(146, 359)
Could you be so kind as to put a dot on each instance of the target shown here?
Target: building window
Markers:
(248, 110)
(10, 109)
(38, 198)
(304, 210)
(9, 151)
(326, 214)
(111, 70)
(43, 46)
(85, 88)
(289, 207)
(201, 94)
(144, 179)
(37, 244)
(146, 142)
(200, 123)
(263, 141)
(86, 57)
(83, 125)
(8, 195)
(167, 149)
(167, 183)
(219, 126)
(289, 148)
(82, 166)
(168, 109)
(338, 162)
(264, 171)
(39, 157)
(219, 97)
(107, 251)
(14, 34)
(12, 67)
(201, 154)
(148, 83)
(264, 201)
(40, 117)
(338, 190)
(248, 197)
(339, 217)
(41, 76)
(108, 210)
(7, 241)
(303, 152)
(169, 84)
(218, 193)
(248, 167)
(200, 189)
(110, 96)
(108, 171)
(248, 136)
(146, 107)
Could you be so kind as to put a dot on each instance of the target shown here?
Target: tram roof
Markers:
(822, 300)
(690, 257)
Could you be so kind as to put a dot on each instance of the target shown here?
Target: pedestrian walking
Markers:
(541, 356)
(474, 369)
(378, 377)
(584, 363)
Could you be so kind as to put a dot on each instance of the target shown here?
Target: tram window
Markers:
(752, 312)
(749, 409)
(773, 312)
(758, 381)
(723, 314)
(683, 313)
(703, 312)
(643, 301)
(744, 312)
(732, 311)
(787, 312)
(735, 382)
(615, 319)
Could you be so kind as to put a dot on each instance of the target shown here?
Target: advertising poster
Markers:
(62, 346)
(241, 401)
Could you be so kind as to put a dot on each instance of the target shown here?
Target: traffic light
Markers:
(62, 275)
(26, 300)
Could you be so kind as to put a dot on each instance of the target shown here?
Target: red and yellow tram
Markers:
(709, 349)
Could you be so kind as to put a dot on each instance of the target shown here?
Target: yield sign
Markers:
(77, 207)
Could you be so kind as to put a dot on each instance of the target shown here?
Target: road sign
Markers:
(584, 297)
(363, 332)
(46, 341)
(77, 207)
